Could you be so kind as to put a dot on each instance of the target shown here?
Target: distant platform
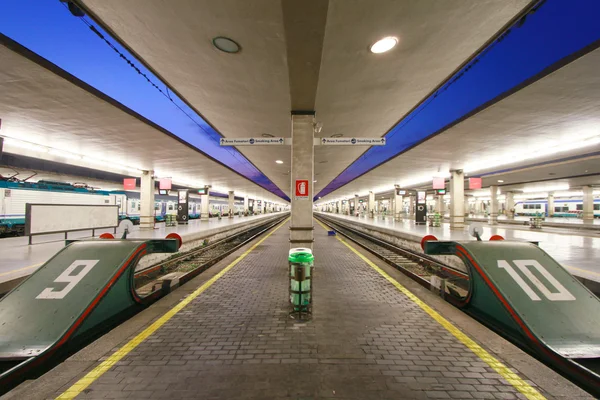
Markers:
(579, 252)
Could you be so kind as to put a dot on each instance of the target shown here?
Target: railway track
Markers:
(163, 277)
(417, 266)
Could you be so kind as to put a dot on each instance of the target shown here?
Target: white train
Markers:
(562, 207)
(15, 195)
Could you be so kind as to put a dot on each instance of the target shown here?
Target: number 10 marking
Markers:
(562, 295)
(66, 277)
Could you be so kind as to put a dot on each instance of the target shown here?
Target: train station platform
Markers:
(554, 222)
(19, 259)
(227, 334)
(578, 252)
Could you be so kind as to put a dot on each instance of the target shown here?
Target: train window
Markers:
(579, 207)
(156, 206)
(139, 205)
(538, 206)
(596, 207)
(525, 206)
(171, 207)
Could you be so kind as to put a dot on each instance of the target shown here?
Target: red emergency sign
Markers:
(129, 183)
(301, 187)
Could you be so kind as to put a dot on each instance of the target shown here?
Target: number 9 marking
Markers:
(66, 277)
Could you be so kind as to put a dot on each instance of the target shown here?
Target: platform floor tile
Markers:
(366, 340)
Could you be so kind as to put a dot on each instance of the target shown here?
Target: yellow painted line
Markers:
(20, 269)
(512, 378)
(583, 270)
(97, 372)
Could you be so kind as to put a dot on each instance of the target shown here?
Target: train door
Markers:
(120, 200)
(163, 208)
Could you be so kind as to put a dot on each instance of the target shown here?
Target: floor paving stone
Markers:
(366, 340)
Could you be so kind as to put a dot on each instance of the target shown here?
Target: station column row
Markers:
(147, 200)
(588, 204)
(457, 198)
(302, 169)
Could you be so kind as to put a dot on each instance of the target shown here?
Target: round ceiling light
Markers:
(226, 45)
(279, 161)
(383, 45)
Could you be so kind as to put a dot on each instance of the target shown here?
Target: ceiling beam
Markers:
(304, 24)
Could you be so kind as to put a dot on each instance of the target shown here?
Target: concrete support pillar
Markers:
(231, 204)
(411, 207)
(588, 204)
(510, 204)
(550, 209)
(337, 207)
(398, 202)
(457, 198)
(439, 204)
(371, 206)
(204, 206)
(301, 226)
(245, 204)
(356, 203)
(147, 200)
(493, 218)
(467, 208)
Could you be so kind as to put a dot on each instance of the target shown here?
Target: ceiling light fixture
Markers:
(267, 135)
(500, 181)
(226, 45)
(383, 45)
(336, 135)
(279, 161)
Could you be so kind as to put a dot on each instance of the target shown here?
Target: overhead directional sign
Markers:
(273, 141)
(353, 141)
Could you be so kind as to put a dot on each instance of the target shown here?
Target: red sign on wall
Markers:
(165, 183)
(302, 188)
(439, 183)
(129, 183)
(474, 183)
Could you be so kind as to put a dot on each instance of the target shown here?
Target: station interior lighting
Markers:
(93, 162)
(383, 45)
(279, 161)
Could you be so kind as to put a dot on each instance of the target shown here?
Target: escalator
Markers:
(84, 289)
(522, 293)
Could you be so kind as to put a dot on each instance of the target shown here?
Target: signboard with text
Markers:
(129, 183)
(272, 141)
(353, 141)
(474, 183)
(439, 183)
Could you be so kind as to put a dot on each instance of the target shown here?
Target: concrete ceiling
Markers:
(43, 108)
(554, 113)
(358, 93)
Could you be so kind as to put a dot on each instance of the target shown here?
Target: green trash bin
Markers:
(301, 262)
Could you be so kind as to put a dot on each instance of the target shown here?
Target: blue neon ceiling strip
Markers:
(558, 30)
(47, 28)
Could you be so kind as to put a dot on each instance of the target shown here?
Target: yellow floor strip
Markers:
(20, 269)
(512, 378)
(87, 380)
(582, 270)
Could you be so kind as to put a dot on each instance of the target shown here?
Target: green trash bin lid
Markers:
(301, 255)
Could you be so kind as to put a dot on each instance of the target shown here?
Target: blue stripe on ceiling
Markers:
(558, 32)
(48, 29)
